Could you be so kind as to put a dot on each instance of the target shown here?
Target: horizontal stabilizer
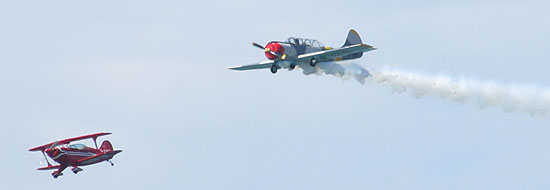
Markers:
(99, 157)
(335, 53)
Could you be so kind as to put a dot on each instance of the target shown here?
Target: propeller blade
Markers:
(257, 45)
(275, 53)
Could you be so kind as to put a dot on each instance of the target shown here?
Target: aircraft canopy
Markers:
(301, 41)
(77, 146)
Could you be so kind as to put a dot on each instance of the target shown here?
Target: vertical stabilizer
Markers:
(106, 146)
(353, 38)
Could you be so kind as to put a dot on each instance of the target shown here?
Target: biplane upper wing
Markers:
(334, 53)
(261, 65)
(67, 141)
(99, 157)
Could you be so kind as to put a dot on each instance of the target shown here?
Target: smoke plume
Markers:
(342, 70)
(529, 99)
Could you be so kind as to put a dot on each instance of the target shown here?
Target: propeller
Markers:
(49, 149)
(52, 146)
(282, 56)
(257, 45)
(268, 50)
(45, 158)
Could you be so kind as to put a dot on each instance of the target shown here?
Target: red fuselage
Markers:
(70, 156)
(74, 155)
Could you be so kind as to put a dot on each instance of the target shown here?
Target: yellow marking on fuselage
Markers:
(327, 48)
(338, 59)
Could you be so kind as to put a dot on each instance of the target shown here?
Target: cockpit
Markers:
(77, 146)
(307, 42)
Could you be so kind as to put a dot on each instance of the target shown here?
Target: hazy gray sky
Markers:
(154, 74)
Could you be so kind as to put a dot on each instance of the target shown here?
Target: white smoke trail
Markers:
(511, 98)
(342, 70)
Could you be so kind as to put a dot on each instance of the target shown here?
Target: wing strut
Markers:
(46, 159)
(95, 142)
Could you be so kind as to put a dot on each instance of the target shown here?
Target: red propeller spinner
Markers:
(274, 50)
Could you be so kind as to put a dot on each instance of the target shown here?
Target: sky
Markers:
(155, 75)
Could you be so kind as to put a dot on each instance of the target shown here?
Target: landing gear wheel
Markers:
(292, 66)
(313, 62)
(76, 170)
(273, 69)
(55, 174)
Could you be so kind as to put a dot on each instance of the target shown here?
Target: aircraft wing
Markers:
(67, 141)
(99, 157)
(49, 167)
(261, 65)
(334, 53)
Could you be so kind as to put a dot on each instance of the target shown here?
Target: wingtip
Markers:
(236, 68)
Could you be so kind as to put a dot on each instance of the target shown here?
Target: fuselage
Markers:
(71, 156)
(292, 48)
(306, 53)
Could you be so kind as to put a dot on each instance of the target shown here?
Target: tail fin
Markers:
(352, 39)
(106, 146)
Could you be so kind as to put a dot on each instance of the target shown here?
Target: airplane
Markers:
(75, 155)
(303, 52)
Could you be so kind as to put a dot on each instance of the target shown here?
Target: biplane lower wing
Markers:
(98, 158)
(49, 167)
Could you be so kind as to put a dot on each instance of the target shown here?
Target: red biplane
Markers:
(75, 155)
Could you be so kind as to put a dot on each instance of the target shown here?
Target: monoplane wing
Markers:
(99, 157)
(261, 65)
(67, 141)
(335, 53)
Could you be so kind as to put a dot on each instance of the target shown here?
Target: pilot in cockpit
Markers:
(77, 146)
(296, 41)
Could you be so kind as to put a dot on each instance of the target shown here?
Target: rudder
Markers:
(352, 39)
(106, 146)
